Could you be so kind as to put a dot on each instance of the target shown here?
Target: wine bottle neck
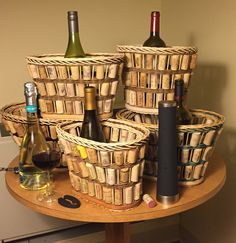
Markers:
(73, 26)
(90, 99)
(155, 24)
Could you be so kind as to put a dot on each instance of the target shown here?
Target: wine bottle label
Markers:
(162, 62)
(115, 134)
(174, 62)
(107, 194)
(86, 72)
(92, 155)
(128, 195)
(197, 171)
(185, 62)
(100, 174)
(154, 81)
(98, 191)
(166, 81)
(74, 72)
(138, 60)
(91, 189)
(193, 62)
(49, 106)
(209, 137)
(92, 172)
(149, 100)
(118, 157)
(105, 89)
(70, 90)
(61, 89)
(149, 61)
(132, 156)
(114, 86)
(124, 175)
(100, 72)
(59, 106)
(142, 80)
(118, 196)
(51, 71)
(135, 173)
(133, 79)
(62, 72)
(112, 71)
(137, 191)
(105, 158)
(111, 176)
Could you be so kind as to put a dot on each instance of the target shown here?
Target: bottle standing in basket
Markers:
(74, 47)
(91, 127)
(154, 40)
(31, 178)
(183, 115)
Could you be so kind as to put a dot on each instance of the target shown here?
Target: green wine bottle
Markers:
(183, 115)
(154, 39)
(74, 47)
(31, 178)
(91, 127)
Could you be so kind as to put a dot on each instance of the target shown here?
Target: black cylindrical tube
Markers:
(167, 183)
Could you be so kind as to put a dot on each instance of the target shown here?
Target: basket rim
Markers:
(220, 120)
(138, 48)
(141, 132)
(59, 59)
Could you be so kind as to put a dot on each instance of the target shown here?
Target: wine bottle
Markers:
(74, 47)
(91, 126)
(183, 115)
(154, 40)
(31, 178)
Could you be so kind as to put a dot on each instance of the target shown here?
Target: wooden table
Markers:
(117, 223)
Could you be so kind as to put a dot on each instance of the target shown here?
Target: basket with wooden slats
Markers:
(195, 143)
(108, 174)
(14, 119)
(150, 74)
(61, 81)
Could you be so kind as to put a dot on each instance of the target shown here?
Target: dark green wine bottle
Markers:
(183, 115)
(154, 39)
(91, 127)
(74, 47)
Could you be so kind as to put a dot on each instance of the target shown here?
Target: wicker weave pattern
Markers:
(61, 81)
(108, 173)
(195, 143)
(150, 73)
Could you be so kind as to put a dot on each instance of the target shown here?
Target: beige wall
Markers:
(210, 25)
(40, 26)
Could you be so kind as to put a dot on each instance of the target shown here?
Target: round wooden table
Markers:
(117, 222)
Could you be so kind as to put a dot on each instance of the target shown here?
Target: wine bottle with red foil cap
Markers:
(183, 115)
(154, 39)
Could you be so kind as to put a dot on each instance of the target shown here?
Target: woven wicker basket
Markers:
(150, 72)
(108, 174)
(15, 122)
(60, 82)
(195, 143)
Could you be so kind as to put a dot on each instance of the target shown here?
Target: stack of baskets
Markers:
(149, 77)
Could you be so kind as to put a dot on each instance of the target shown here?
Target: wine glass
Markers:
(46, 158)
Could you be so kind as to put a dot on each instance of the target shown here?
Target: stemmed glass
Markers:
(46, 159)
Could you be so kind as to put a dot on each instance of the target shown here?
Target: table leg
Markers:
(117, 233)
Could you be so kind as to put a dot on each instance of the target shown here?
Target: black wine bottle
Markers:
(183, 115)
(91, 127)
(154, 39)
(74, 47)
(31, 178)
(167, 183)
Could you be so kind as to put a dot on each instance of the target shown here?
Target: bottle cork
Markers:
(197, 171)
(195, 138)
(174, 62)
(149, 61)
(92, 172)
(114, 86)
(154, 81)
(118, 157)
(140, 98)
(118, 196)
(123, 135)
(131, 97)
(105, 89)
(112, 71)
(132, 156)
(111, 176)
(34, 71)
(62, 72)
(138, 60)
(135, 173)
(91, 189)
(92, 155)
(83, 185)
(70, 90)
(124, 175)
(129, 59)
(143, 80)
(193, 61)
(100, 174)
(51, 71)
(79, 89)
(61, 89)
(99, 72)
(41, 89)
(185, 62)
(114, 134)
(98, 190)
(149, 201)
(149, 100)
(105, 159)
(59, 106)
(133, 79)
(128, 195)
(69, 107)
(209, 137)
(78, 106)
(107, 105)
(188, 170)
(74, 73)
(162, 62)
(86, 72)
(107, 132)
(107, 194)
(137, 191)
(196, 155)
